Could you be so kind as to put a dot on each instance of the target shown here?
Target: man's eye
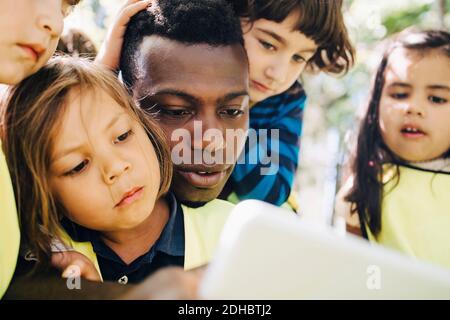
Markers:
(399, 96)
(176, 113)
(267, 45)
(79, 168)
(437, 100)
(232, 113)
(123, 136)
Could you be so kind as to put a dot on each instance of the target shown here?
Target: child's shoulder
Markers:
(295, 93)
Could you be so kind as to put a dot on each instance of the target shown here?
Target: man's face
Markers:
(29, 35)
(201, 95)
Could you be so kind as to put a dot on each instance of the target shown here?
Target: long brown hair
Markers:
(33, 112)
(320, 20)
(371, 152)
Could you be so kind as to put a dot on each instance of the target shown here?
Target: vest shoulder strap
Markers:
(202, 229)
(84, 248)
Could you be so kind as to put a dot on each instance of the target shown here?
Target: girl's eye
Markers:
(79, 168)
(267, 45)
(123, 136)
(399, 96)
(298, 58)
(437, 100)
(232, 113)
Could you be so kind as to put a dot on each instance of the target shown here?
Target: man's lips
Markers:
(35, 51)
(203, 176)
(130, 196)
(259, 86)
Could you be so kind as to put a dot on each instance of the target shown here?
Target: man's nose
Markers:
(207, 130)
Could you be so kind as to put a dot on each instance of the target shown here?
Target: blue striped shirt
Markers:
(285, 113)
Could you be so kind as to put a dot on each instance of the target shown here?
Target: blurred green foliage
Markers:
(397, 21)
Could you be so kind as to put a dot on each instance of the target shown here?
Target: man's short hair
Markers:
(211, 22)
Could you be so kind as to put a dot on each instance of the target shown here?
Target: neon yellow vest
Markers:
(9, 227)
(290, 204)
(416, 215)
(202, 228)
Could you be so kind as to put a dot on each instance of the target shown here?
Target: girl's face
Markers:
(29, 35)
(277, 55)
(104, 169)
(415, 105)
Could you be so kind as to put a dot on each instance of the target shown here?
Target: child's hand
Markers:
(110, 51)
(72, 262)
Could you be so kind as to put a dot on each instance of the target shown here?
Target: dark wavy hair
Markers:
(371, 152)
(211, 22)
(320, 20)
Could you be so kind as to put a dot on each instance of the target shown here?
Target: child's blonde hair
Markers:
(33, 112)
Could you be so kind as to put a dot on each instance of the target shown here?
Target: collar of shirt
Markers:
(171, 241)
(277, 108)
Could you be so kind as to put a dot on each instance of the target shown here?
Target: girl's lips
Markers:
(203, 180)
(412, 132)
(33, 51)
(130, 196)
(259, 86)
(413, 135)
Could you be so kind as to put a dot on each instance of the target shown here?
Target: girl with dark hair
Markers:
(397, 194)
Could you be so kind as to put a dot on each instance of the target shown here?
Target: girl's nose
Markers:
(277, 71)
(114, 169)
(414, 108)
(49, 16)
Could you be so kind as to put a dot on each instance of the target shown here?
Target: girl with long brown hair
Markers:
(397, 194)
(83, 157)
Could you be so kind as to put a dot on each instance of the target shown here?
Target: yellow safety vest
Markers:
(416, 214)
(202, 228)
(9, 227)
(290, 204)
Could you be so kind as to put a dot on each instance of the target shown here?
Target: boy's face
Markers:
(196, 89)
(104, 169)
(30, 31)
(278, 54)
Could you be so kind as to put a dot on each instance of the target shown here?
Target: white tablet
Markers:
(266, 252)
